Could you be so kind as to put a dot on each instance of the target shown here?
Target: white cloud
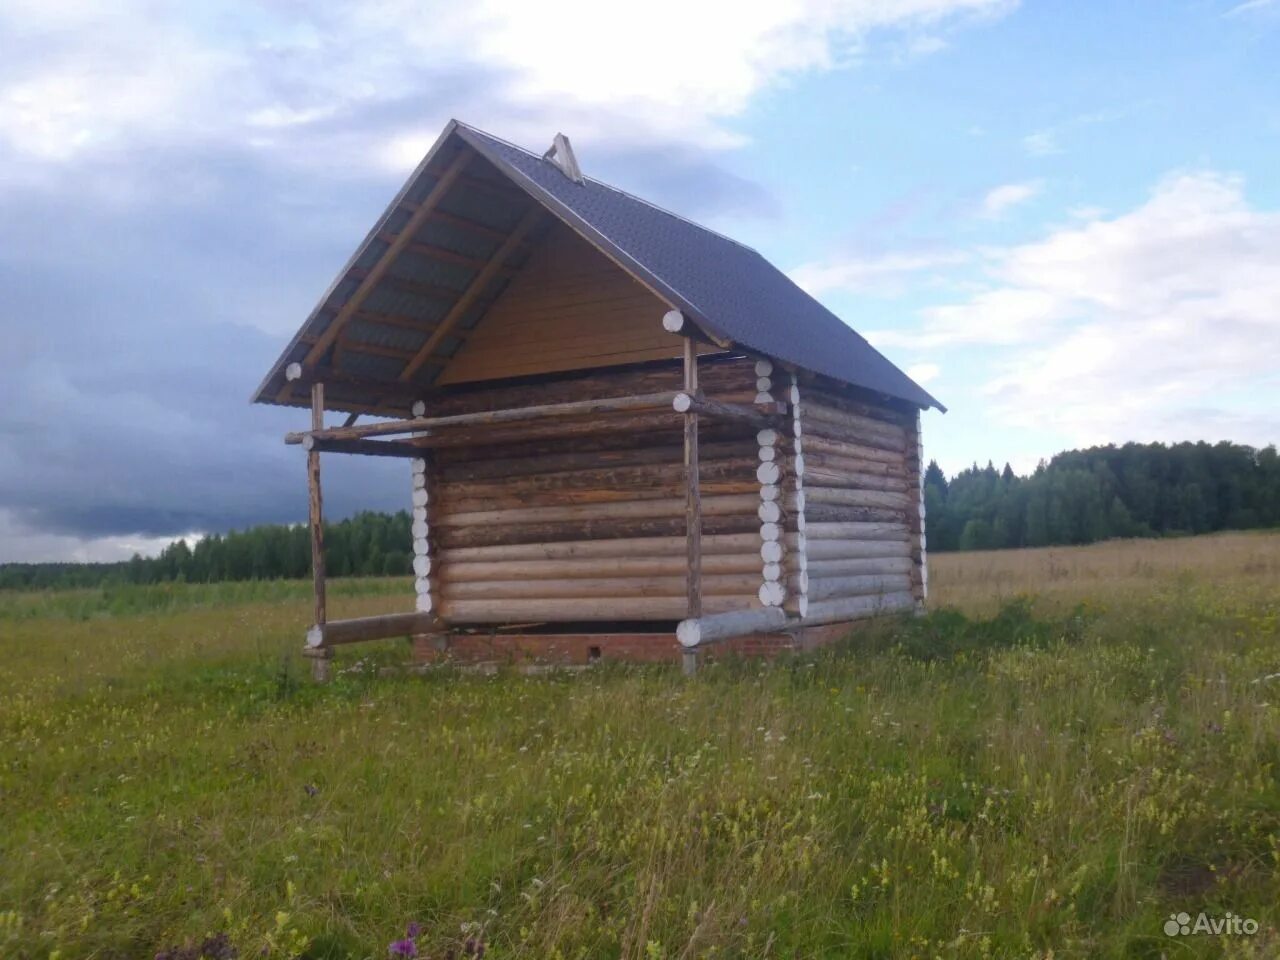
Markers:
(923, 372)
(1147, 325)
(22, 544)
(1003, 198)
(1042, 143)
(874, 274)
(1047, 142)
(1249, 6)
(94, 79)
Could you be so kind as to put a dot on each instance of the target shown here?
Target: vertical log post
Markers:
(321, 656)
(693, 500)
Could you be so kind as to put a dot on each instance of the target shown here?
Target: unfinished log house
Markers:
(626, 435)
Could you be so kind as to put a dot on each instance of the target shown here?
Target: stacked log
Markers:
(537, 528)
(772, 508)
(798, 560)
(424, 599)
(919, 555)
(858, 534)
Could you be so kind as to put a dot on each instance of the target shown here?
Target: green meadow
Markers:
(1070, 747)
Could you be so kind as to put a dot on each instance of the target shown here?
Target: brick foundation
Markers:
(583, 648)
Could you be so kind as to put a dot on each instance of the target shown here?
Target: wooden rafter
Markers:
(379, 269)
(367, 448)
(346, 343)
(500, 188)
(392, 320)
(462, 223)
(474, 289)
(432, 291)
(435, 252)
(305, 376)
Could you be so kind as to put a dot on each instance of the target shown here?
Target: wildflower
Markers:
(403, 948)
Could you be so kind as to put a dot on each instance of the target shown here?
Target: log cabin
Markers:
(627, 436)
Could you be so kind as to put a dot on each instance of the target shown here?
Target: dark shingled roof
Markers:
(724, 286)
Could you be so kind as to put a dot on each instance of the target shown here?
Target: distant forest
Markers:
(1081, 496)
(368, 544)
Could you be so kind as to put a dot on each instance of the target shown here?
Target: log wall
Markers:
(857, 533)
(571, 524)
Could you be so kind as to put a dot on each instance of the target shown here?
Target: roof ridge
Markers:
(618, 190)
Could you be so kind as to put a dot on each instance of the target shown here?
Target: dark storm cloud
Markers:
(147, 292)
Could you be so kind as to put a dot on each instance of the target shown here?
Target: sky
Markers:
(1063, 219)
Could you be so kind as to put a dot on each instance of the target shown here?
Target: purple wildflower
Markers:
(415, 928)
(403, 948)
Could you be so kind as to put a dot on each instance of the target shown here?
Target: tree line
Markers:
(367, 544)
(1081, 496)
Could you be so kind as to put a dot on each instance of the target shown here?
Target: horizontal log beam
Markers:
(853, 608)
(663, 546)
(818, 550)
(852, 451)
(367, 448)
(704, 406)
(834, 569)
(539, 461)
(581, 408)
(536, 570)
(579, 530)
(724, 626)
(731, 584)
(863, 585)
(580, 609)
(337, 632)
(856, 531)
(838, 496)
(733, 504)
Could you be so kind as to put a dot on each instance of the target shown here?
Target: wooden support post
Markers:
(319, 668)
(693, 499)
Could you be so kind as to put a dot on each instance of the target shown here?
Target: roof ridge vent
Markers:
(560, 153)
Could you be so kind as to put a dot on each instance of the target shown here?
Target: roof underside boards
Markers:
(724, 286)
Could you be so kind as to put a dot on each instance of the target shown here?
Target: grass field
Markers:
(1005, 777)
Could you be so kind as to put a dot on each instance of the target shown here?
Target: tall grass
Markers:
(1053, 779)
(124, 599)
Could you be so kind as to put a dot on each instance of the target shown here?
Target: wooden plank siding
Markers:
(569, 308)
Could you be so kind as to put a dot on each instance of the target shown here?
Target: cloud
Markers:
(21, 543)
(923, 372)
(91, 79)
(1249, 6)
(1047, 142)
(879, 273)
(1003, 198)
(1042, 143)
(1160, 323)
(179, 182)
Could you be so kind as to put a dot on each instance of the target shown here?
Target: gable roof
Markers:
(726, 288)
